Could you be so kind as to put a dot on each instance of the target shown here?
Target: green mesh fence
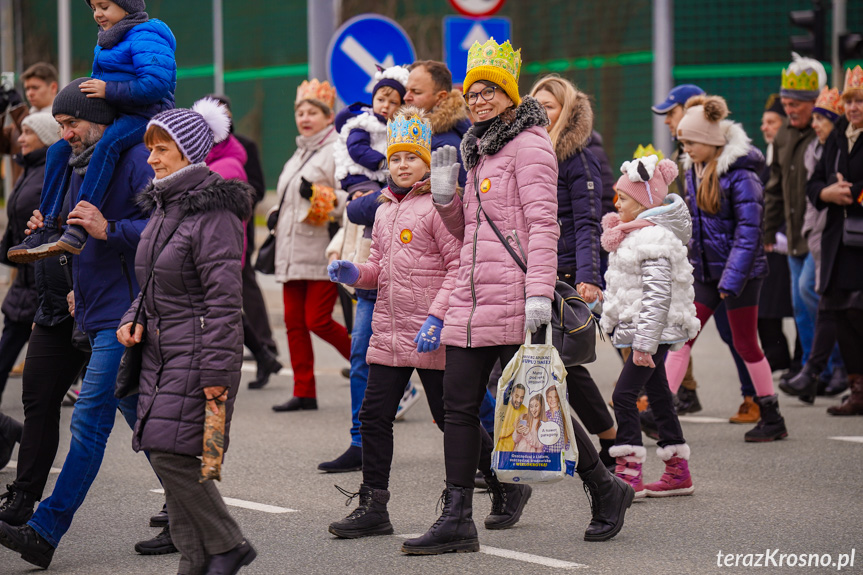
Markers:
(735, 48)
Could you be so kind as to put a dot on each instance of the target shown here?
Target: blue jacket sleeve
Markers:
(747, 197)
(124, 235)
(154, 68)
(361, 151)
(361, 211)
(585, 193)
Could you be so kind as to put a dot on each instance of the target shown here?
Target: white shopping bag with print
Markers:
(533, 436)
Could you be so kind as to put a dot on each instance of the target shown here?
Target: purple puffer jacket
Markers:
(514, 168)
(413, 264)
(727, 246)
(192, 325)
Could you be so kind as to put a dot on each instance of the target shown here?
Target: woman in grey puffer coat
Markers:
(190, 254)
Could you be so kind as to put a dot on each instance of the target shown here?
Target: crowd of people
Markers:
(131, 233)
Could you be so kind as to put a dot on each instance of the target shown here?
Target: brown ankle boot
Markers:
(854, 404)
(748, 412)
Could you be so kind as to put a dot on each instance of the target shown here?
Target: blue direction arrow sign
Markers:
(358, 46)
(459, 34)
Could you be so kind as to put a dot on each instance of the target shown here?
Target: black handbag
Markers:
(266, 260)
(129, 373)
(573, 325)
(852, 231)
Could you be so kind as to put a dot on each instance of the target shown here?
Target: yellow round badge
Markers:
(485, 186)
(406, 236)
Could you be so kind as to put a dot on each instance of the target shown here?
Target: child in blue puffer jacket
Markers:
(134, 69)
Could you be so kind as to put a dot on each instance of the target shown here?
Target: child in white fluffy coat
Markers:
(648, 306)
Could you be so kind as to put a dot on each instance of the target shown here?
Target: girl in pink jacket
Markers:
(413, 264)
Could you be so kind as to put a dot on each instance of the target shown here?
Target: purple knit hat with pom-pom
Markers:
(646, 180)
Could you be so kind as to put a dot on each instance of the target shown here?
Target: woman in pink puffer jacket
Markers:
(511, 181)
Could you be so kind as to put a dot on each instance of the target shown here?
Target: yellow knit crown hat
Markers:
(498, 63)
(410, 131)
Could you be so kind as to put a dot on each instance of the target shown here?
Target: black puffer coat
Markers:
(193, 328)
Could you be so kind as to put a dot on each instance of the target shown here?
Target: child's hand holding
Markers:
(343, 271)
(93, 88)
(428, 339)
(642, 359)
(444, 174)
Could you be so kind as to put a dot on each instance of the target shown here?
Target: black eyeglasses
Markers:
(487, 94)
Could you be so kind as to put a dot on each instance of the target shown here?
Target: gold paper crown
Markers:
(314, 90)
(853, 79)
(643, 152)
(409, 131)
(804, 81)
(830, 100)
(498, 63)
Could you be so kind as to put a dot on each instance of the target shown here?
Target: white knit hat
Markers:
(44, 126)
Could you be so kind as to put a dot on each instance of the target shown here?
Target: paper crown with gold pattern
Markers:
(317, 91)
(498, 63)
(643, 152)
(829, 104)
(853, 80)
(410, 131)
(803, 79)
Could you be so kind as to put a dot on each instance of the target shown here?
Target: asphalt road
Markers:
(798, 496)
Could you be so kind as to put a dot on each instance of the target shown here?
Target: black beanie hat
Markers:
(130, 6)
(71, 101)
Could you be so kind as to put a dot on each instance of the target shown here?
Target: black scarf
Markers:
(399, 191)
(112, 36)
(79, 162)
(480, 128)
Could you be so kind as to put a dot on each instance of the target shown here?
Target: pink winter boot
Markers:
(629, 459)
(676, 479)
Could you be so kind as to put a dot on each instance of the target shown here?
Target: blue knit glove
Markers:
(428, 339)
(344, 272)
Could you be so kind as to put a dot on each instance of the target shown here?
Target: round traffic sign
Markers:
(477, 8)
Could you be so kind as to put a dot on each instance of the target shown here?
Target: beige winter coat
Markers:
(301, 247)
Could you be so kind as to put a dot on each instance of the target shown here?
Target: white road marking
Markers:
(518, 556)
(14, 465)
(252, 367)
(850, 438)
(701, 419)
(248, 504)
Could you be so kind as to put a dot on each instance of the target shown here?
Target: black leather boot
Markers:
(803, 385)
(609, 499)
(24, 540)
(268, 364)
(454, 531)
(297, 404)
(161, 544)
(16, 507)
(838, 382)
(369, 518)
(10, 434)
(507, 502)
(772, 424)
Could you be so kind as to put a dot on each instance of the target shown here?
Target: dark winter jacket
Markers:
(22, 299)
(362, 145)
(450, 123)
(103, 273)
(608, 180)
(579, 198)
(727, 246)
(140, 71)
(841, 265)
(192, 313)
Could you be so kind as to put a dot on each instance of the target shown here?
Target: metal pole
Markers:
(64, 41)
(218, 49)
(839, 28)
(322, 18)
(7, 64)
(663, 63)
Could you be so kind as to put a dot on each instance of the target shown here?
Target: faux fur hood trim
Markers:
(502, 131)
(449, 113)
(576, 134)
(213, 194)
(368, 122)
(737, 146)
(680, 450)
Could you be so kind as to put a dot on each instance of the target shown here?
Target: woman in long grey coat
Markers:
(190, 255)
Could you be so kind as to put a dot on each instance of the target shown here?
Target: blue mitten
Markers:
(343, 271)
(428, 339)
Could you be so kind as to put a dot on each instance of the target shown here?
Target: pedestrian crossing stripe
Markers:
(849, 438)
(247, 504)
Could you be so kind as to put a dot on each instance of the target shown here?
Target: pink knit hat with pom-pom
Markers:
(646, 180)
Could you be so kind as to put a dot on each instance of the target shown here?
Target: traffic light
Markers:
(812, 43)
(850, 47)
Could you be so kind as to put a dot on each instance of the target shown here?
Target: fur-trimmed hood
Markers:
(449, 114)
(576, 134)
(737, 153)
(503, 130)
(196, 190)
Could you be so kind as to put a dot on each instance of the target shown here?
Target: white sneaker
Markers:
(412, 394)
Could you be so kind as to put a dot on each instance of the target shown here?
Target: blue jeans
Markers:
(359, 368)
(125, 132)
(92, 421)
(802, 268)
(720, 316)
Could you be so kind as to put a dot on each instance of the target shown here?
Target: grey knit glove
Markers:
(537, 311)
(444, 174)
